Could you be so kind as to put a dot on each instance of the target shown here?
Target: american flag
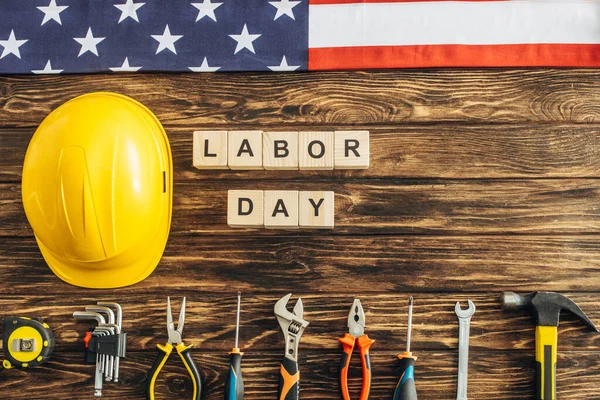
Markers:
(83, 36)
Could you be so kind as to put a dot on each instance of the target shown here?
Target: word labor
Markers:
(248, 150)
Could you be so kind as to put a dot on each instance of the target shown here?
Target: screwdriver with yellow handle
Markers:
(234, 387)
(405, 390)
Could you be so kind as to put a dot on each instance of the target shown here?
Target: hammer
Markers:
(546, 308)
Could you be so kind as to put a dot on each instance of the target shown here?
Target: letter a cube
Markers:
(245, 150)
(281, 209)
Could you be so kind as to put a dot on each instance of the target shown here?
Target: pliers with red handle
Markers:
(356, 335)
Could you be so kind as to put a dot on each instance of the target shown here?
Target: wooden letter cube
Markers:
(280, 150)
(210, 150)
(245, 208)
(315, 150)
(281, 209)
(316, 210)
(245, 150)
(351, 149)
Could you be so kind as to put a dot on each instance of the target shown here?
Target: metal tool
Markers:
(105, 343)
(110, 317)
(175, 342)
(464, 319)
(292, 325)
(119, 315)
(546, 307)
(27, 342)
(234, 387)
(86, 316)
(405, 389)
(356, 335)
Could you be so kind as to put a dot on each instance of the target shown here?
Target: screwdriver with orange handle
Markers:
(234, 387)
(405, 390)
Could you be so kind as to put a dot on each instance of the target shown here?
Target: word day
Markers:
(280, 209)
(248, 150)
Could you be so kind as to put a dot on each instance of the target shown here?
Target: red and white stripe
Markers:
(347, 34)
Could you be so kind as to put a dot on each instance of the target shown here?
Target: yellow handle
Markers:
(163, 355)
(546, 341)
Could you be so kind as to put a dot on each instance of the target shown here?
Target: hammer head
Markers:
(546, 307)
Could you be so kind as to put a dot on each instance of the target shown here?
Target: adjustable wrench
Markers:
(292, 325)
(464, 319)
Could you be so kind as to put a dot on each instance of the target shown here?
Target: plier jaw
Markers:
(356, 319)
(356, 336)
(175, 335)
(175, 341)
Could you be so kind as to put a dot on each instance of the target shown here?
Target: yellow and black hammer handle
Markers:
(163, 355)
(546, 341)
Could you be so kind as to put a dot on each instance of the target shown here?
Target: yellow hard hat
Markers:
(97, 190)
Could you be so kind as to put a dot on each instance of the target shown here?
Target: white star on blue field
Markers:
(116, 36)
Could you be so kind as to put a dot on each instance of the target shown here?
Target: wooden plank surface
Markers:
(364, 264)
(341, 98)
(481, 181)
(492, 375)
(466, 151)
(388, 207)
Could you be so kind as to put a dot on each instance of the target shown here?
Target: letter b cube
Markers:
(280, 150)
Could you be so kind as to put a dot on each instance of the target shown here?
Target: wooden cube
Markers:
(316, 210)
(245, 208)
(245, 150)
(280, 150)
(210, 149)
(315, 150)
(351, 150)
(281, 209)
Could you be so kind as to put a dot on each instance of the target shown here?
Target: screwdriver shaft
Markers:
(406, 390)
(237, 322)
(234, 388)
(409, 329)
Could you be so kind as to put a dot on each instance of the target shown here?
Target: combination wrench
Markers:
(464, 320)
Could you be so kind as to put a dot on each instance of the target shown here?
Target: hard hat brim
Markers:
(103, 275)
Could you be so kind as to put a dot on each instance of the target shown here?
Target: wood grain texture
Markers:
(503, 376)
(342, 98)
(350, 265)
(480, 181)
(387, 207)
(210, 320)
(466, 151)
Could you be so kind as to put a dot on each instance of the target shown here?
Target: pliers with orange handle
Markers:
(356, 336)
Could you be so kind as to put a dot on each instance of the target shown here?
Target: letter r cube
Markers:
(351, 150)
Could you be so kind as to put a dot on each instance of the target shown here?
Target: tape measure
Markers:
(27, 342)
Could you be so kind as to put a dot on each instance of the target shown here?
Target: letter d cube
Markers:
(245, 208)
